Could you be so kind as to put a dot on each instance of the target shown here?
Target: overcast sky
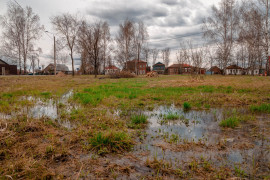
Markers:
(167, 20)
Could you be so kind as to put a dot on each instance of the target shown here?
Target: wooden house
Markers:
(159, 68)
(7, 69)
(179, 69)
(214, 70)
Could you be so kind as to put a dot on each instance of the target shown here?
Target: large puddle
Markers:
(47, 109)
(197, 135)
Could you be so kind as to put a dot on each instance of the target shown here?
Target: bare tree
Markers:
(182, 54)
(221, 28)
(106, 38)
(21, 28)
(125, 42)
(146, 54)
(155, 54)
(141, 36)
(67, 26)
(61, 55)
(266, 35)
(166, 56)
(90, 40)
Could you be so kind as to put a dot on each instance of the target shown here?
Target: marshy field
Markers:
(170, 127)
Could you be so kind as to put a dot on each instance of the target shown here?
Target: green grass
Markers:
(111, 142)
(186, 106)
(231, 122)
(171, 116)
(264, 108)
(46, 94)
(139, 119)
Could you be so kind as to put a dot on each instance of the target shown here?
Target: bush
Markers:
(122, 74)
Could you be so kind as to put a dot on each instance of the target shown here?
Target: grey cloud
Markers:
(170, 2)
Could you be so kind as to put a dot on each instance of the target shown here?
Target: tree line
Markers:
(239, 32)
(236, 32)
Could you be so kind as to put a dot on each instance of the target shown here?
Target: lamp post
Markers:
(54, 51)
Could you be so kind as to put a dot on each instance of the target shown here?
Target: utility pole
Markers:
(267, 40)
(54, 52)
(33, 65)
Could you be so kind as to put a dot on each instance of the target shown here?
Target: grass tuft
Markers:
(264, 108)
(171, 116)
(111, 142)
(139, 119)
(186, 106)
(231, 122)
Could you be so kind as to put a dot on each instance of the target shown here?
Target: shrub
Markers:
(186, 106)
(112, 141)
(231, 122)
(122, 74)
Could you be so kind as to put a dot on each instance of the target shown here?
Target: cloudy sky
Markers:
(169, 21)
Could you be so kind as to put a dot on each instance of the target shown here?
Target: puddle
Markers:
(197, 134)
(48, 108)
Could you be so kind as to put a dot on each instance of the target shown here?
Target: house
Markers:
(179, 69)
(234, 70)
(159, 68)
(6, 69)
(256, 71)
(214, 70)
(49, 70)
(111, 70)
(141, 67)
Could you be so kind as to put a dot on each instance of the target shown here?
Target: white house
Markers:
(234, 70)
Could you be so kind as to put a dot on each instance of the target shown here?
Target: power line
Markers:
(18, 4)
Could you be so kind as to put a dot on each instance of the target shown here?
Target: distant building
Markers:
(179, 69)
(141, 67)
(111, 70)
(49, 70)
(234, 70)
(159, 68)
(6, 69)
(214, 70)
(255, 71)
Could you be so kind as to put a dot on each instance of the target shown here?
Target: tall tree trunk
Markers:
(71, 55)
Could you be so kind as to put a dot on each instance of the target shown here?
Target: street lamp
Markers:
(54, 51)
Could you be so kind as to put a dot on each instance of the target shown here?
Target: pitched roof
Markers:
(234, 67)
(2, 62)
(135, 60)
(180, 65)
(112, 67)
(158, 64)
(214, 68)
(59, 67)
